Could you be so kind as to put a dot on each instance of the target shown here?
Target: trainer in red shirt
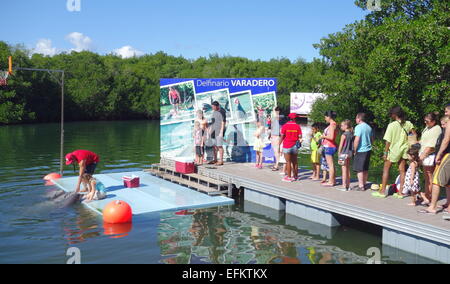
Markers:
(86, 160)
(291, 132)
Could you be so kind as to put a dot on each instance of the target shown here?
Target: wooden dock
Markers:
(194, 181)
(403, 227)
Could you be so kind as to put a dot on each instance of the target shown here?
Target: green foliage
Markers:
(109, 87)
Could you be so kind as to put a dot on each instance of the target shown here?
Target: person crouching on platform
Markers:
(87, 161)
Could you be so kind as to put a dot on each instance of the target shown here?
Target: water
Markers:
(33, 230)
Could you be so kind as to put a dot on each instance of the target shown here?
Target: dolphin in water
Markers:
(64, 199)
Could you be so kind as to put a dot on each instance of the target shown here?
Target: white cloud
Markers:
(127, 52)
(44, 46)
(80, 41)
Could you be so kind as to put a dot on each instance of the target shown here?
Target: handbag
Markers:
(412, 138)
(342, 158)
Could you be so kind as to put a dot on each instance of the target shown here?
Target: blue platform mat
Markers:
(153, 195)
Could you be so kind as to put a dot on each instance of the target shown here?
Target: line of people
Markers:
(430, 154)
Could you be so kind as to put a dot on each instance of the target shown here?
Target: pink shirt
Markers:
(330, 143)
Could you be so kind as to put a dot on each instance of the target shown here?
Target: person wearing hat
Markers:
(87, 162)
(291, 137)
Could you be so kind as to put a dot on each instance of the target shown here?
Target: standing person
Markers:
(275, 137)
(363, 149)
(204, 127)
(412, 184)
(441, 177)
(444, 121)
(291, 133)
(175, 99)
(314, 145)
(86, 160)
(396, 149)
(217, 132)
(202, 120)
(427, 153)
(259, 144)
(199, 142)
(345, 153)
(330, 146)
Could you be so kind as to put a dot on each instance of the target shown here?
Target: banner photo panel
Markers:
(189, 124)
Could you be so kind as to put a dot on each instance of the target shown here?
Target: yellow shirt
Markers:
(397, 135)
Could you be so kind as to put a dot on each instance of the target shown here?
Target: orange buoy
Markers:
(117, 212)
(52, 176)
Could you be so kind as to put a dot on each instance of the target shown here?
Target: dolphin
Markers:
(65, 199)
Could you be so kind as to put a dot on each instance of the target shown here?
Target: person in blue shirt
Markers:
(363, 149)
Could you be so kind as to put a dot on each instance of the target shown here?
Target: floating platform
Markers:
(153, 195)
(402, 226)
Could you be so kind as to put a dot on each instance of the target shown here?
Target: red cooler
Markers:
(184, 165)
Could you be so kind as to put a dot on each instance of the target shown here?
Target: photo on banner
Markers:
(177, 139)
(177, 102)
(204, 102)
(242, 106)
(264, 104)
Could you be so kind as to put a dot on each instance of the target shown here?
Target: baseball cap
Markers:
(216, 103)
(292, 116)
(69, 159)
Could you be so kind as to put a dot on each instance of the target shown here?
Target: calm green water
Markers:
(34, 230)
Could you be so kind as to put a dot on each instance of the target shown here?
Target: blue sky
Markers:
(256, 29)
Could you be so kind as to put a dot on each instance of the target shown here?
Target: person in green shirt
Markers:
(396, 149)
(315, 157)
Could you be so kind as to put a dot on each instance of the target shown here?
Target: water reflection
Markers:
(81, 227)
(224, 236)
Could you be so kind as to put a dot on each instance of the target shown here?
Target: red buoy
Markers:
(52, 176)
(48, 178)
(117, 212)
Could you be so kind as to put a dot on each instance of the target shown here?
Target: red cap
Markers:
(292, 115)
(69, 159)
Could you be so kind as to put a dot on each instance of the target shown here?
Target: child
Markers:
(259, 145)
(345, 153)
(315, 157)
(96, 189)
(199, 142)
(412, 184)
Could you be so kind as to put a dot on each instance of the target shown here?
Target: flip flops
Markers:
(378, 195)
(425, 211)
(396, 195)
